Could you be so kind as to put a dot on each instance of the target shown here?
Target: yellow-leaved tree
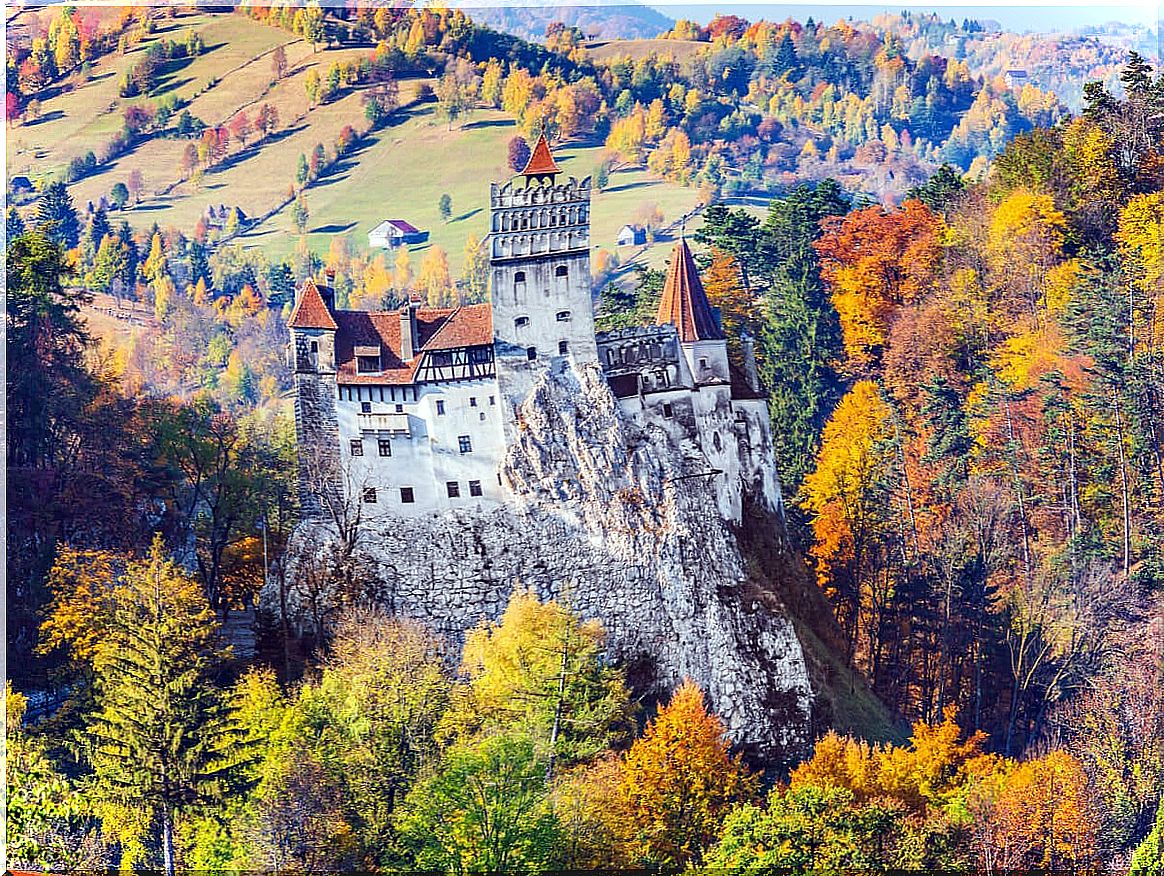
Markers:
(539, 670)
(679, 781)
(848, 497)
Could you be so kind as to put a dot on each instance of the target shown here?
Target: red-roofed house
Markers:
(391, 233)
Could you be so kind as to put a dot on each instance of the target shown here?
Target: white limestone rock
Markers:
(619, 523)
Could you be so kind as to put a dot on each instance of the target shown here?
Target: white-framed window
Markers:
(454, 489)
(465, 443)
(357, 447)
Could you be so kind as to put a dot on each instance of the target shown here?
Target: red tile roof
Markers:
(541, 160)
(684, 303)
(437, 328)
(310, 311)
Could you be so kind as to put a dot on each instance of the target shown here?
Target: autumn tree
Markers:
(873, 262)
(433, 279)
(46, 819)
(680, 780)
(848, 496)
(538, 671)
(486, 808)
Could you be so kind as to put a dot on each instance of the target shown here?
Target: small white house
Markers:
(391, 233)
(631, 235)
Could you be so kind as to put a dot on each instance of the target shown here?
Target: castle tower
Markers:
(313, 330)
(684, 305)
(543, 315)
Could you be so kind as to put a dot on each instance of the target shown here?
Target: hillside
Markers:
(384, 178)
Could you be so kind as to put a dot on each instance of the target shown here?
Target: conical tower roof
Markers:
(541, 160)
(684, 303)
(311, 311)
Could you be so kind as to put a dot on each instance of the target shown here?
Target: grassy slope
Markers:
(400, 172)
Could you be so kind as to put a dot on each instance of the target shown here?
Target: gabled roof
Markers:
(310, 311)
(437, 328)
(684, 303)
(399, 224)
(541, 160)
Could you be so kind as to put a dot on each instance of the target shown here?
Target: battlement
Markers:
(508, 195)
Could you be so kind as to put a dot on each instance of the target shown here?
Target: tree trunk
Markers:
(168, 839)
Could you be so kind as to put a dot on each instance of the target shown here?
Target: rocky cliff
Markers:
(620, 524)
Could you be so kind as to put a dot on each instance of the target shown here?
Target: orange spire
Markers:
(541, 160)
(684, 303)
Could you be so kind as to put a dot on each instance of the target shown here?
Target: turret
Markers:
(684, 305)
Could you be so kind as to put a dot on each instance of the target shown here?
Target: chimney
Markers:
(408, 339)
(327, 292)
(750, 373)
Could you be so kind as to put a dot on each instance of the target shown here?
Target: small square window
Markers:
(453, 488)
(440, 405)
(407, 496)
(465, 443)
(365, 407)
(702, 363)
(474, 488)
(668, 411)
(482, 416)
(531, 353)
(472, 401)
(357, 447)
(385, 447)
(563, 348)
(400, 409)
(369, 495)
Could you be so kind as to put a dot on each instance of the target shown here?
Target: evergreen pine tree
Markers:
(13, 225)
(160, 741)
(56, 217)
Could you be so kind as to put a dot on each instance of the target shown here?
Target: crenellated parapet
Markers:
(531, 220)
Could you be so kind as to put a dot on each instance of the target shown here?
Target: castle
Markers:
(409, 412)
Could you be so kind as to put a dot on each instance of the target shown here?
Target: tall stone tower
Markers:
(543, 314)
(313, 331)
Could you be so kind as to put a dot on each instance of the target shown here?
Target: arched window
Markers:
(563, 316)
(521, 322)
(561, 271)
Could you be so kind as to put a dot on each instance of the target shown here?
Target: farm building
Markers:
(391, 233)
(631, 235)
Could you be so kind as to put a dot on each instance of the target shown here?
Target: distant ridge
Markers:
(622, 21)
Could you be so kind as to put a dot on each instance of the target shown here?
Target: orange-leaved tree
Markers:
(874, 261)
(679, 781)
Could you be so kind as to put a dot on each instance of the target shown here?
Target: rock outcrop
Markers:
(622, 525)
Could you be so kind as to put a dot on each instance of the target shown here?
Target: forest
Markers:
(967, 395)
